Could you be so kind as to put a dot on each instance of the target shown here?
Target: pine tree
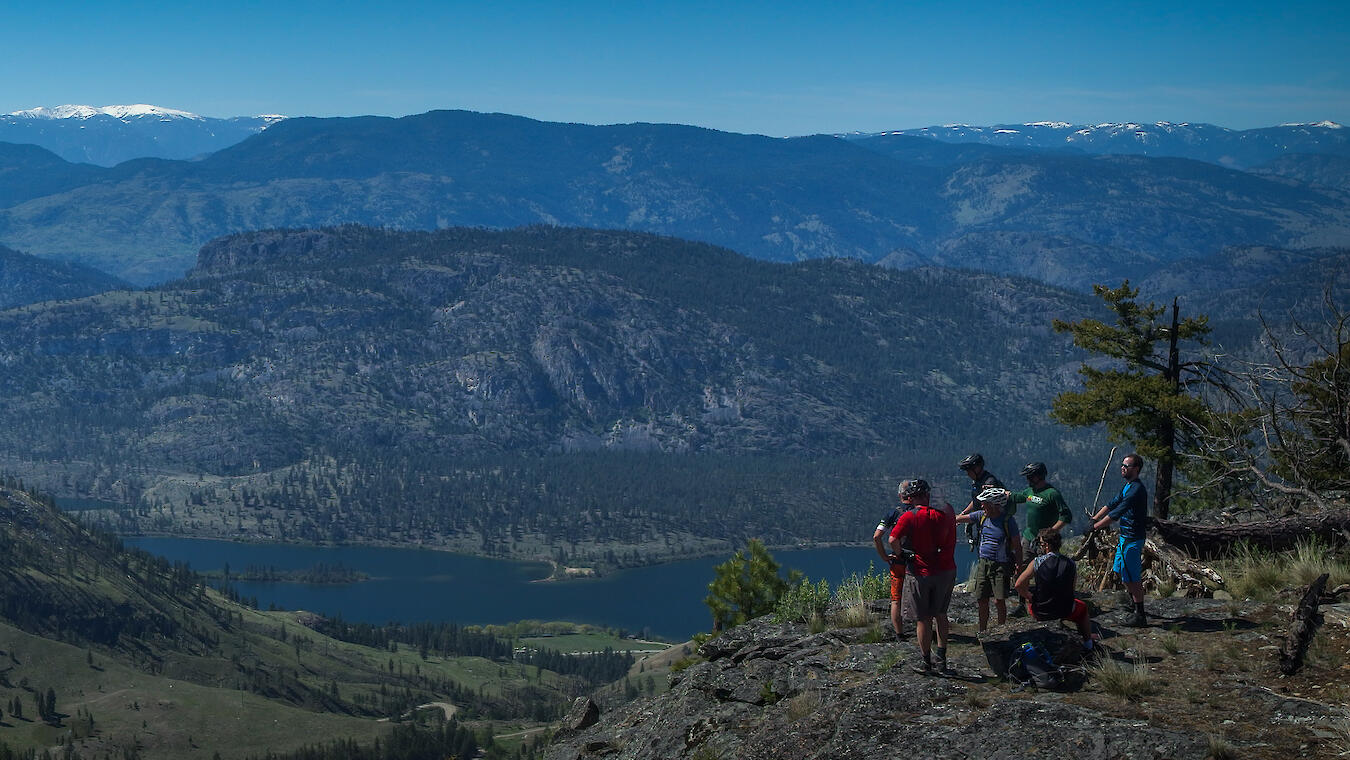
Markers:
(746, 587)
(1149, 393)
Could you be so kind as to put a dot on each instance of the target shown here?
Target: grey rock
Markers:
(583, 714)
(770, 690)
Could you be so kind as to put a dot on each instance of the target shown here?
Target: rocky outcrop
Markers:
(770, 690)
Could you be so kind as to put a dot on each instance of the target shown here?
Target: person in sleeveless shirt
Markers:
(1053, 598)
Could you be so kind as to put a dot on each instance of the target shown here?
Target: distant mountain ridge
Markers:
(110, 135)
(416, 357)
(28, 279)
(1072, 219)
(1235, 149)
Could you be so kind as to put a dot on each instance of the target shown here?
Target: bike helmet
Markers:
(914, 487)
(1034, 470)
(993, 495)
(974, 460)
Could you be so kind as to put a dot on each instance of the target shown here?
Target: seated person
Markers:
(1052, 598)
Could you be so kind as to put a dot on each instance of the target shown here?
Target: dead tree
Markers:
(1302, 628)
(1211, 541)
(1288, 432)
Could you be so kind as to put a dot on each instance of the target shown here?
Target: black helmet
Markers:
(1034, 470)
(914, 487)
(974, 460)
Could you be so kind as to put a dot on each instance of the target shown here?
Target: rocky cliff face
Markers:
(767, 690)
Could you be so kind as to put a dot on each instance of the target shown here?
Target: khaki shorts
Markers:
(1031, 549)
(928, 596)
(992, 579)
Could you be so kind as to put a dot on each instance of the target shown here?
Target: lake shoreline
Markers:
(421, 584)
(599, 571)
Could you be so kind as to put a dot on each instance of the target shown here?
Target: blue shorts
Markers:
(1129, 559)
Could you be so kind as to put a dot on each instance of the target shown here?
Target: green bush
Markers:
(864, 587)
(803, 603)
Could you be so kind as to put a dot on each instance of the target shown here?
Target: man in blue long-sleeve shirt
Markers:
(1130, 507)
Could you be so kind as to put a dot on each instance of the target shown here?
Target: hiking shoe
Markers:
(1137, 620)
(940, 664)
(923, 667)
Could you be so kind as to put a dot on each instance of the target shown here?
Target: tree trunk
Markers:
(1162, 485)
(1210, 541)
(1302, 628)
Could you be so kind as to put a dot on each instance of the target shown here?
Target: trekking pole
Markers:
(1102, 482)
(1092, 511)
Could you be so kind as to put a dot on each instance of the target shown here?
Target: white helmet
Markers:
(994, 495)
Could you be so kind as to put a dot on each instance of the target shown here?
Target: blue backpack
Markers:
(1035, 666)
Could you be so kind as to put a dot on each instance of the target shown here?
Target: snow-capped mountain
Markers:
(1237, 149)
(117, 112)
(109, 135)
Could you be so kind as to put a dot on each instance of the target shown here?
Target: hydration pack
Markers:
(1034, 665)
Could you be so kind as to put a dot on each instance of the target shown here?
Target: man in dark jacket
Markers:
(1130, 507)
(980, 479)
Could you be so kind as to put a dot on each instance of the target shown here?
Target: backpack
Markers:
(979, 530)
(987, 481)
(1034, 665)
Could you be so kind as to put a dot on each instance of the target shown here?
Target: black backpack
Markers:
(1052, 598)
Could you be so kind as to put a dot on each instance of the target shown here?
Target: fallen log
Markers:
(1211, 541)
(1195, 579)
(1302, 628)
(1163, 565)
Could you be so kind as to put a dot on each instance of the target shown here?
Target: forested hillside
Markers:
(495, 391)
(111, 652)
(1065, 218)
(27, 279)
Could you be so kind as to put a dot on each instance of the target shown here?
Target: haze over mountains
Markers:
(1236, 149)
(1067, 218)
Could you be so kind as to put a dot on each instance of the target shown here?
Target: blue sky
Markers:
(783, 68)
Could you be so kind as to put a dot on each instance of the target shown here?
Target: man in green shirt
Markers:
(1045, 508)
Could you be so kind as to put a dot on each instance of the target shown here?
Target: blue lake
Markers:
(411, 585)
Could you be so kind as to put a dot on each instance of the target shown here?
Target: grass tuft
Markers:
(853, 615)
(1257, 574)
(1125, 681)
(1221, 749)
(803, 705)
(1341, 742)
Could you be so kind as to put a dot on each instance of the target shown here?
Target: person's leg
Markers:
(984, 613)
(1002, 585)
(983, 590)
(897, 587)
(1129, 563)
(922, 627)
(1136, 590)
(1080, 618)
(942, 598)
(916, 605)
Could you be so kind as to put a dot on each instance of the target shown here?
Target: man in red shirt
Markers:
(932, 534)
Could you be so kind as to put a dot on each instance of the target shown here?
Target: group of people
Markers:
(917, 540)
